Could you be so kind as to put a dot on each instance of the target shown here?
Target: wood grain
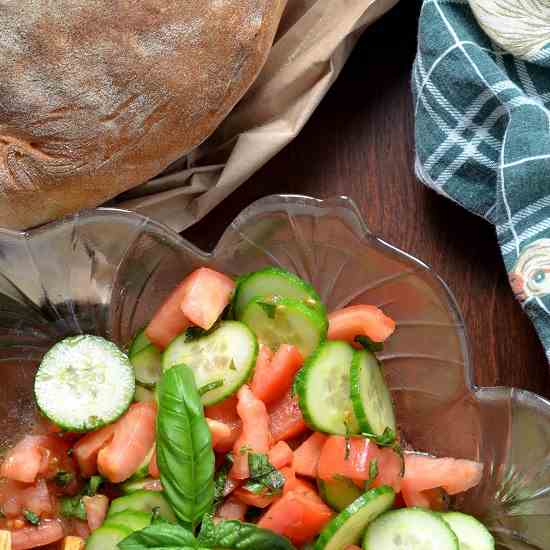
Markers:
(360, 143)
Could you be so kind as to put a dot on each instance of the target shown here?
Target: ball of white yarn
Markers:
(521, 27)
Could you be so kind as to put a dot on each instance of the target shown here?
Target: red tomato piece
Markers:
(232, 509)
(133, 439)
(286, 418)
(273, 378)
(349, 322)
(96, 509)
(48, 532)
(153, 466)
(424, 472)
(87, 448)
(389, 469)
(349, 459)
(306, 456)
(255, 436)
(251, 499)
(296, 517)
(226, 412)
(221, 433)
(280, 455)
(38, 499)
(415, 498)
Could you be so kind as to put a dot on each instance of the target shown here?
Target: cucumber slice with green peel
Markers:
(224, 358)
(107, 537)
(130, 519)
(323, 388)
(83, 383)
(143, 501)
(370, 396)
(286, 321)
(140, 342)
(144, 394)
(147, 365)
(471, 533)
(144, 484)
(349, 525)
(274, 282)
(410, 529)
(338, 493)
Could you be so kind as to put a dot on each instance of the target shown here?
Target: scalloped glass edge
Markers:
(104, 270)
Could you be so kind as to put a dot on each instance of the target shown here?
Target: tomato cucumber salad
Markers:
(242, 417)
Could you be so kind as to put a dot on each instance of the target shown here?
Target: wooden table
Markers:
(360, 143)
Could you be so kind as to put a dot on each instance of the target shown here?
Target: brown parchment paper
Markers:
(315, 39)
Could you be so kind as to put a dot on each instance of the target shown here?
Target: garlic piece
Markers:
(521, 27)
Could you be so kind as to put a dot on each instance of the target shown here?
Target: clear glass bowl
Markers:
(105, 271)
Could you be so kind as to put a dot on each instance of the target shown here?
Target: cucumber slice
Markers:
(286, 321)
(471, 533)
(350, 524)
(339, 493)
(143, 501)
(83, 383)
(370, 396)
(410, 528)
(147, 365)
(145, 484)
(323, 387)
(107, 537)
(143, 394)
(139, 343)
(272, 282)
(227, 355)
(130, 519)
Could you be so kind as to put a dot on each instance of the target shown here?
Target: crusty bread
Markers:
(97, 96)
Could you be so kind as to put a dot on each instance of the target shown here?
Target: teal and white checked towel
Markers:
(483, 140)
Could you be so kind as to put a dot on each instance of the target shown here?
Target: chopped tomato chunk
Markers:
(134, 437)
(226, 412)
(154, 467)
(274, 377)
(87, 448)
(232, 509)
(286, 418)
(96, 509)
(306, 456)
(48, 532)
(280, 455)
(220, 432)
(361, 320)
(259, 501)
(255, 436)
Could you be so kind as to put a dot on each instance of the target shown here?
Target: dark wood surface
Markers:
(360, 142)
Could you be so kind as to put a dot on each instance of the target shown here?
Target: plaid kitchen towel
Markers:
(483, 140)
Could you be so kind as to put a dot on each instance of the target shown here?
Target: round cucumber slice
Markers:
(130, 519)
(224, 358)
(471, 533)
(350, 524)
(323, 388)
(147, 365)
(338, 493)
(107, 537)
(286, 321)
(83, 383)
(139, 343)
(370, 396)
(142, 501)
(274, 282)
(409, 529)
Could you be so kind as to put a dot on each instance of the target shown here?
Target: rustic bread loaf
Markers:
(97, 96)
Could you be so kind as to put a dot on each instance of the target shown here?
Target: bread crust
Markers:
(99, 96)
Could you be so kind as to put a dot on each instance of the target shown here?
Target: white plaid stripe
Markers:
(524, 213)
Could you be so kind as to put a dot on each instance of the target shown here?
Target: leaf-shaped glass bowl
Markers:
(105, 271)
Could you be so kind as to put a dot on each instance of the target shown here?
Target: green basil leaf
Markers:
(72, 507)
(31, 517)
(369, 344)
(166, 536)
(184, 447)
(373, 473)
(221, 480)
(63, 478)
(93, 485)
(389, 439)
(263, 473)
(192, 333)
(235, 535)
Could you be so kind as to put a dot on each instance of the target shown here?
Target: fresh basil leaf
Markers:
(221, 480)
(263, 473)
(62, 478)
(388, 439)
(184, 447)
(192, 333)
(254, 487)
(31, 517)
(373, 473)
(235, 535)
(369, 344)
(160, 536)
(269, 309)
(93, 485)
(210, 387)
(72, 507)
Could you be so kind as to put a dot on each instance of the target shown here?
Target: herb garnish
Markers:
(368, 344)
(264, 477)
(388, 439)
(31, 517)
